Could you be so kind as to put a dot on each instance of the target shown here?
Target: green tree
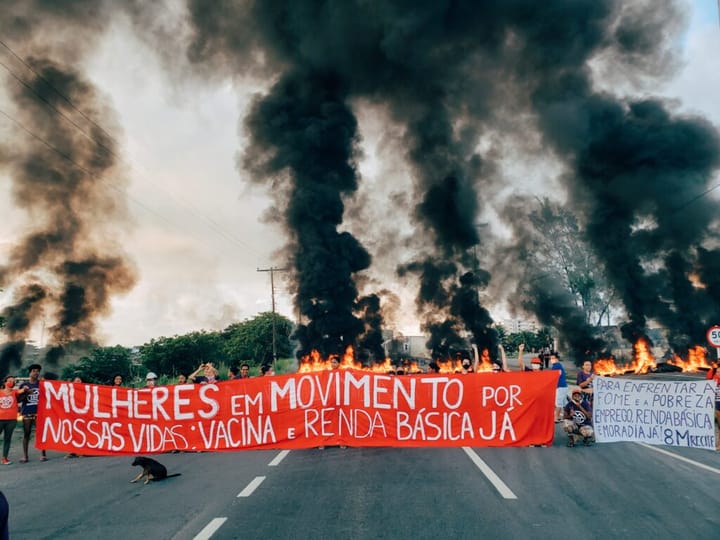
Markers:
(563, 251)
(532, 340)
(183, 354)
(252, 340)
(101, 366)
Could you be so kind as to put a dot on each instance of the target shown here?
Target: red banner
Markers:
(341, 407)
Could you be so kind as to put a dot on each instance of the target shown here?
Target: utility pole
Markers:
(272, 271)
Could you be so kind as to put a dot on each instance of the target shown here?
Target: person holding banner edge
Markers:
(713, 374)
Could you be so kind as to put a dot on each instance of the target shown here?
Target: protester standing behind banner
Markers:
(714, 374)
(585, 378)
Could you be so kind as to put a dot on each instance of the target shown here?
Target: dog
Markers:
(151, 470)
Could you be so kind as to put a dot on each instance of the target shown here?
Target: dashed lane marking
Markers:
(675, 456)
(490, 474)
(252, 486)
(210, 528)
(275, 462)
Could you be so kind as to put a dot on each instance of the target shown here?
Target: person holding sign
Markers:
(585, 379)
(578, 417)
(714, 374)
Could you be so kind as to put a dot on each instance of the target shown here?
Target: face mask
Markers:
(9, 384)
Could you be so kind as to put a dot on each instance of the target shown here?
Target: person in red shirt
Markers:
(8, 414)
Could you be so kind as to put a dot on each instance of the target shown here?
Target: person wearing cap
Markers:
(535, 362)
(578, 417)
(150, 379)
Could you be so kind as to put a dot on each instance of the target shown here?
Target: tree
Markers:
(101, 366)
(564, 252)
(252, 340)
(183, 354)
(532, 340)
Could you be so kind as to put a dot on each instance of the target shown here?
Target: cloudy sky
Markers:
(196, 231)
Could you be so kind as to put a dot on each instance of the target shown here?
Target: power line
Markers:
(176, 198)
(85, 170)
(50, 85)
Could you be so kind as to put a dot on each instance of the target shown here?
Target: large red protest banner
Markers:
(341, 407)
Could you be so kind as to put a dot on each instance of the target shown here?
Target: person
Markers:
(209, 375)
(497, 368)
(334, 362)
(182, 379)
(4, 515)
(585, 379)
(466, 366)
(562, 386)
(244, 371)
(117, 380)
(433, 367)
(535, 362)
(578, 417)
(545, 357)
(28, 408)
(267, 370)
(150, 379)
(714, 374)
(234, 373)
(8, 414)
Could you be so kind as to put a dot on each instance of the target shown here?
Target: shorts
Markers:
(561, 396)
(29, 416)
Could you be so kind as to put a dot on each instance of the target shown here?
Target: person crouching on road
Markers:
(578, 417)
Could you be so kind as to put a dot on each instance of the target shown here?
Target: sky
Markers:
(197, 232)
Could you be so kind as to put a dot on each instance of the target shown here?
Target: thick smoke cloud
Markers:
(65, 174)
(461, 78)
(453, 73)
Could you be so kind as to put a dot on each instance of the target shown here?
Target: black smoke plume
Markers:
(455, 75)
(64, 171)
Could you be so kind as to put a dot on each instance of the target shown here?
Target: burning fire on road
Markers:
(644, 362)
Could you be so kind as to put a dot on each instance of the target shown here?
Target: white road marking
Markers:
(676, 456)
(275, 462)
(210, 529)
(490, 474)
(252, 486)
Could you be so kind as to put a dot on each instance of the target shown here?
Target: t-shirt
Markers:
(562, 381)
(8, 405)
(579, 417)
(582, 376)
(30, 404)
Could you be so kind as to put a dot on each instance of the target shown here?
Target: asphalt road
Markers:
(620, 490)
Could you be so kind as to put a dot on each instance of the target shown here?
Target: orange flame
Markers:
(697, 360)
(644, 361)
(315, 362)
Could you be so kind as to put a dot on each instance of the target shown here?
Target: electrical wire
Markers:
(216, 227)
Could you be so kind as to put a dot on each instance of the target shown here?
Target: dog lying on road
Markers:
(151, 470)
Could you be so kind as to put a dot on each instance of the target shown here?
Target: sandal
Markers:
(23, 460)
(44, 458)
